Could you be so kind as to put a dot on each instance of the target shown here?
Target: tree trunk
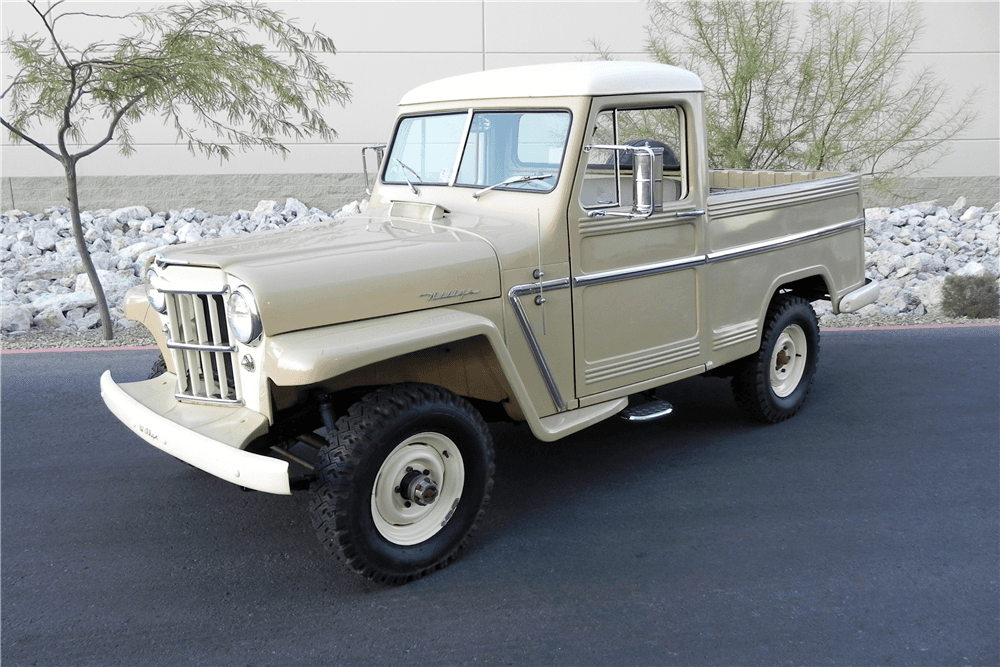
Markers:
(81, 247)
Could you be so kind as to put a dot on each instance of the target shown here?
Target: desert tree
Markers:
(201, 68)
(830, 92)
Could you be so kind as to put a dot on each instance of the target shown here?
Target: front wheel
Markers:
(403, 481)
(772, 384)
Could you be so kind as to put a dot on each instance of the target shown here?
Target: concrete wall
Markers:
(386, 47)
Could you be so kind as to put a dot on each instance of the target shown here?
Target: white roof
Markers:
(559, 80)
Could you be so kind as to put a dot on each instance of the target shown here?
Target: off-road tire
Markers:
(343, 503)
(764, 396)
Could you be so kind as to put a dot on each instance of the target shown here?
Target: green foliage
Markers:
(827, 93)
(194, 65)
(971, 296)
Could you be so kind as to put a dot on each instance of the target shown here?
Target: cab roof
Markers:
(559, 80)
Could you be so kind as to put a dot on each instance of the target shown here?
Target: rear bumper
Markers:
(859, 298)
(208, 437)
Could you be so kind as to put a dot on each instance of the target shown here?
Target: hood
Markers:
(353, 269)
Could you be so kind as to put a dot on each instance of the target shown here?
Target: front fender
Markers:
(308, 357)
(136, 307)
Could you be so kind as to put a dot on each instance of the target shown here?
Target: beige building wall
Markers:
(386, 47)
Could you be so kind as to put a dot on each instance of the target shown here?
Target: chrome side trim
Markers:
(600, 226)
(638, 271)
(784, 242)
(514, 294)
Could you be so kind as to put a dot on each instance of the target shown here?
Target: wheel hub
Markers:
(788, 360)
(418, 487)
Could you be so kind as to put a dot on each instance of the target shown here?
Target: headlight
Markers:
(241, 311)
(155, 297)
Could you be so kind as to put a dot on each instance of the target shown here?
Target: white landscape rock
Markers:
(45, 238)
(189, 233)
(114, 285)
(15, 317)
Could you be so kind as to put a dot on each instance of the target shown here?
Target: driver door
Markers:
(635, 280)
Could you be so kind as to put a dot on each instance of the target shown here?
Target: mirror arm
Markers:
(639, 212)
(379, 152)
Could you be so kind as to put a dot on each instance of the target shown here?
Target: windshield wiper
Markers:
(511, 181)
(412, 187)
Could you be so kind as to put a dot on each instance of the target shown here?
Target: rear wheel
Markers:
(402, 483)
(772, 384)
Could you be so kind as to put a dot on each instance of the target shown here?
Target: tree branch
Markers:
(50, 28)
(13, 130)
(111, 129)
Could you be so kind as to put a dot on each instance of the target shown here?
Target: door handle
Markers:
(697, 213)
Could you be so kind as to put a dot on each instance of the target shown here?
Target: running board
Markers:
(646, 411)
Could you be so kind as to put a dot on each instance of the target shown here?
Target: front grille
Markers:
(198, 340)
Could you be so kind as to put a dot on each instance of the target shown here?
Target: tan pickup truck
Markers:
(543, 244)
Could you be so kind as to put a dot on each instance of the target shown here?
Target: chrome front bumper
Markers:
(209, 437)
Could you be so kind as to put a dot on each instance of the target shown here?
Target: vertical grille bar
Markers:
(174, 335)
(200, 304)
(189, 335)
(224, 362)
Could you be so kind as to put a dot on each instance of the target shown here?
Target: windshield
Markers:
(496, 146)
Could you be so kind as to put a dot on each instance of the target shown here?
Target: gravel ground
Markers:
(137, 335)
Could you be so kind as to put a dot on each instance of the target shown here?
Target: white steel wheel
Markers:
(417, 488)
(788, 360)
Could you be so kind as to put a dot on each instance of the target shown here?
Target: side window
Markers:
(609, 173)
(600, 183)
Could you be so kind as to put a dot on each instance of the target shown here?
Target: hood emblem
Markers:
(454, 294)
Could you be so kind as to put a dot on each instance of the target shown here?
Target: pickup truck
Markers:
(543, 244)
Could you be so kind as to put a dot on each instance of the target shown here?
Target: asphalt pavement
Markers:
(864, 531)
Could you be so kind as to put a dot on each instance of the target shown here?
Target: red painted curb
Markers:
(898, 327)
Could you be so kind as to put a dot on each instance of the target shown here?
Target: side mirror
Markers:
(647, 181)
